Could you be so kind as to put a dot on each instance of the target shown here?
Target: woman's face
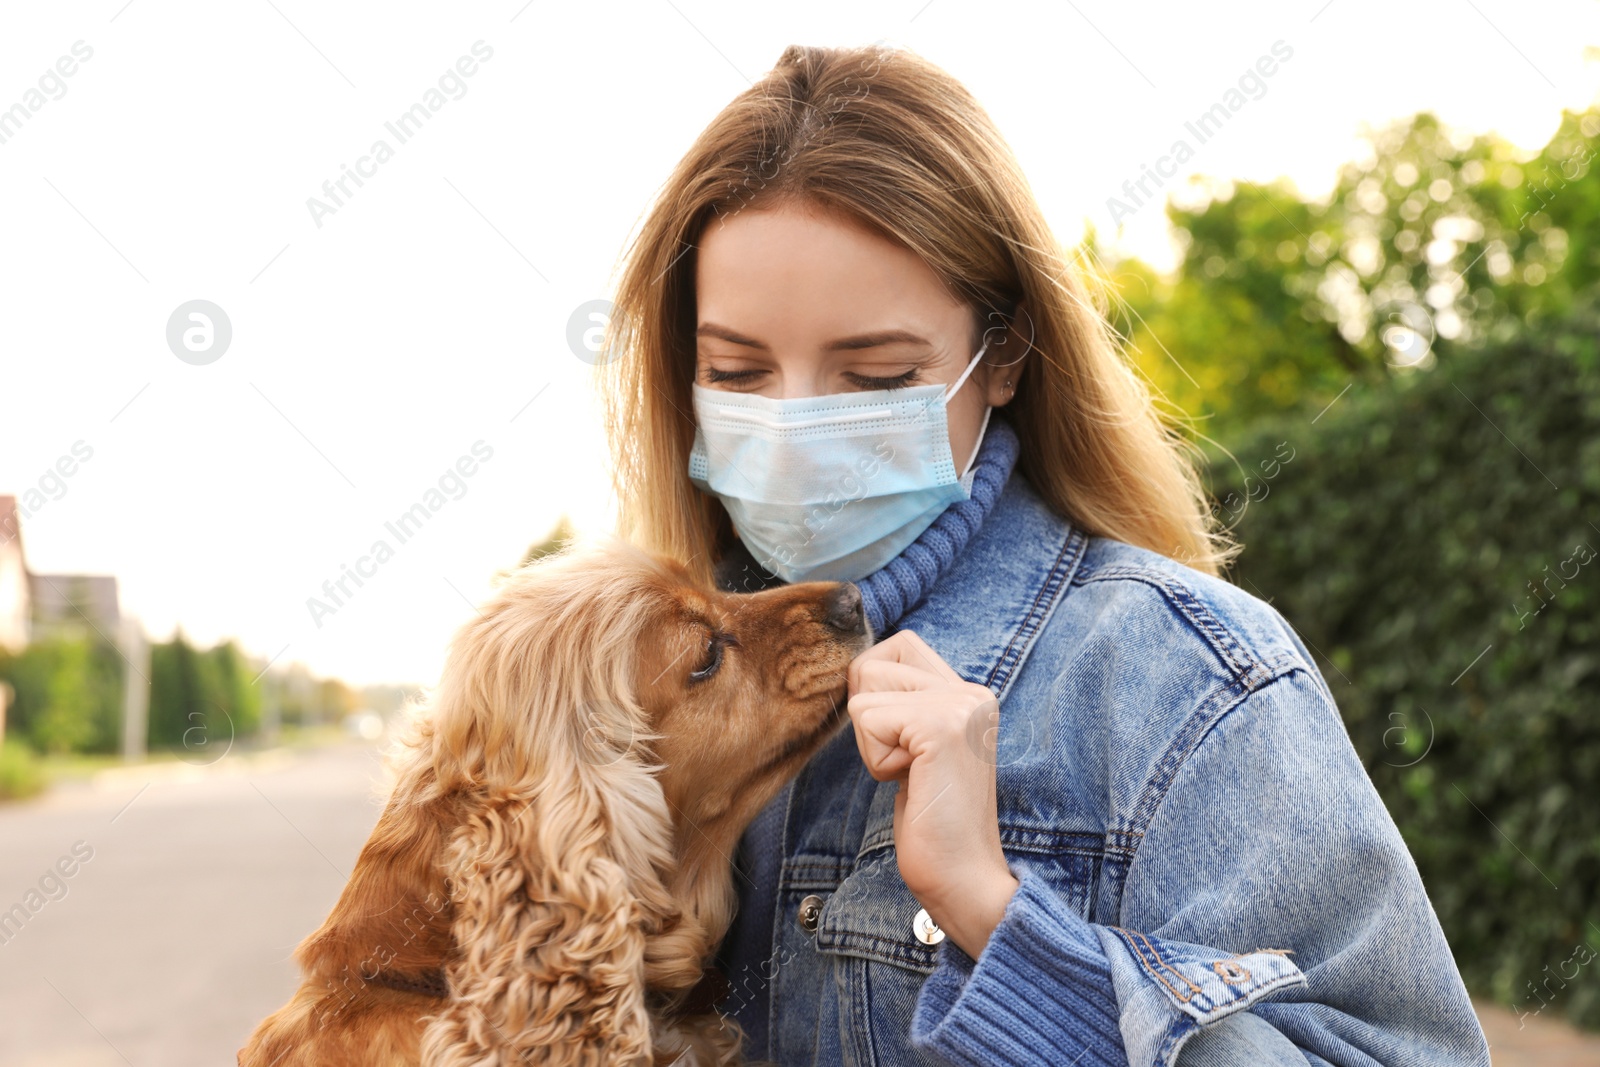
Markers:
(796, 302)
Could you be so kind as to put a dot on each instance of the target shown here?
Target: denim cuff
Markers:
(1171, 990)
(1040, 992)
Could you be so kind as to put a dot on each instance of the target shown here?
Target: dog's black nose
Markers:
(843, 609)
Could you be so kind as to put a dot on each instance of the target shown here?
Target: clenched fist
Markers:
(921, 724)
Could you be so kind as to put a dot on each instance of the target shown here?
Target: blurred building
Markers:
(32, 605)
(16, 601)
(70, 601)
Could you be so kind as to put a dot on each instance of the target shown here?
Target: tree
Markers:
(68, 693)
(177, 692)
(235, 693)
(1438, 547)
(1279, 304)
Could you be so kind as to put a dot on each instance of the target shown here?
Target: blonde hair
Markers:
(889, 139)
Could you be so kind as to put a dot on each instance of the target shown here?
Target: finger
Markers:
(892, 763)
(891, 650)
(885, 651)
(911, 649)
(906, 647)
(881, 676)
(930, 722)
(922, 722)
(883, 740)
(935, 703)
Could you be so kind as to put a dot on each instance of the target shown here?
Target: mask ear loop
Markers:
(956, 388)
(987, 409)
(978, 444)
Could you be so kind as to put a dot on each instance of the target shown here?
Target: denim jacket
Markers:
(1207, 875)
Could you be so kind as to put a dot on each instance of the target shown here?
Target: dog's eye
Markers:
(712, 660)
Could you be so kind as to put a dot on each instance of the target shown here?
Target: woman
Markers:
(1097, 805)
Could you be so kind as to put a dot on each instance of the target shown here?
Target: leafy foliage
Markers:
(68, 693)
(20, 775)
(200, 699)
(1279, 303)
(1397, 389)
(1437, 542)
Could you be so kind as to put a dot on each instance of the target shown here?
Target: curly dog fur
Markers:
(565, 801)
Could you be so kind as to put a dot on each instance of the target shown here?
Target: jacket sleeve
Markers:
(1271, 914)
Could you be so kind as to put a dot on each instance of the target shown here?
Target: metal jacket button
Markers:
(810, 913)
(926, 929)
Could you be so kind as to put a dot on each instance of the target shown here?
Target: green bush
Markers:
(1437, 544)
(68, 693)
(19, 771)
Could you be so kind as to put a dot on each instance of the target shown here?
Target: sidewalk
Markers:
(1540, 1041)
(175, 935)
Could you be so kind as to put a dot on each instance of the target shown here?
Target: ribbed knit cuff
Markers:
(1040, 992)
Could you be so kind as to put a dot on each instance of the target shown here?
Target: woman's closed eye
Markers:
(714, 375)
(899, 381)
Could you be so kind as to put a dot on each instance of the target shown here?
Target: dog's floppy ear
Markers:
(557, 868)
(549, 932)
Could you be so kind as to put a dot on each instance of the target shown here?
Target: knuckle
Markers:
(953, 725)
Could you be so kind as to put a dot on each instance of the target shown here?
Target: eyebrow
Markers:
(843, 344)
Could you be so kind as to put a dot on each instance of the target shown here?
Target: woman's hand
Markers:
(919, 723)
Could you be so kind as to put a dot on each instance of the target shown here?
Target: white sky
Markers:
(427, 311)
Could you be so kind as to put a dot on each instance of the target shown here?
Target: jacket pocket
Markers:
(867, 925)
(879, 963)
(870, 916)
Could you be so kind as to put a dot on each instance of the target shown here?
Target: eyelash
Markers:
(712, 663)
(715, 375)
(898, 382)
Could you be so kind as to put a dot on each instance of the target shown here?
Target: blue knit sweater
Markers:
(887, 596)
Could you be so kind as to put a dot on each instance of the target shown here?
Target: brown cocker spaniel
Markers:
(550, 875)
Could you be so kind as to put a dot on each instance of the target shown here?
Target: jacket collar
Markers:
(988, 609)
(986, 613)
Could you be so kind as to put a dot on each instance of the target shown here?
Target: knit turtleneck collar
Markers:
(894, 589)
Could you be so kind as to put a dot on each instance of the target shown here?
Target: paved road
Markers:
(172, 940)
(168, 945)
(1533, 1041)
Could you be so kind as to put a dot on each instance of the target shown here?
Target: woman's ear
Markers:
(1010, 340)
(549, 933)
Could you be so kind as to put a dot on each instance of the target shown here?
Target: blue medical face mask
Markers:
(830, 487)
